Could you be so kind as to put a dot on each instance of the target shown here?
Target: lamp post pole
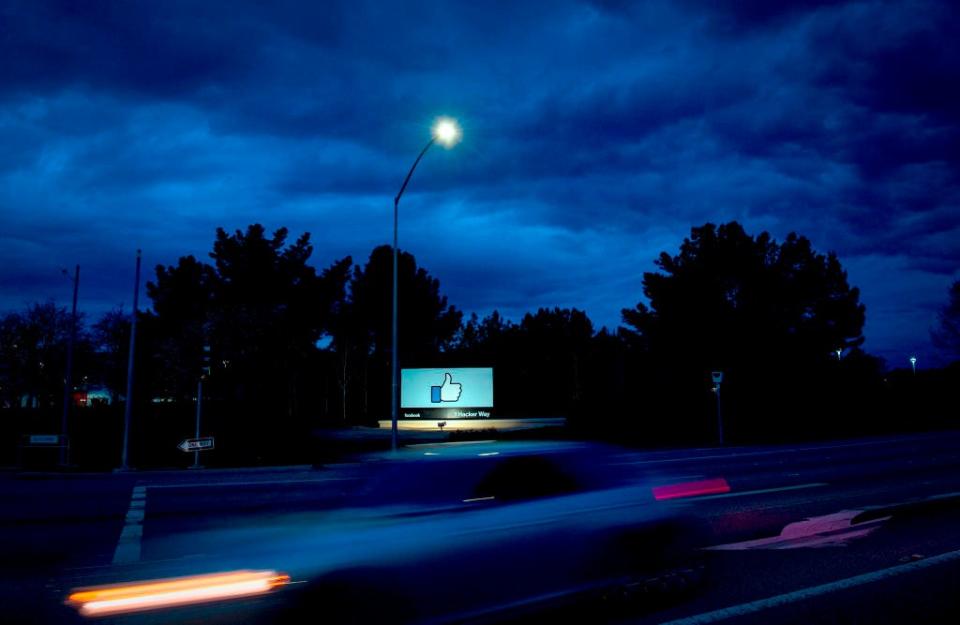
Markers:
(447, 133)
(394, 379)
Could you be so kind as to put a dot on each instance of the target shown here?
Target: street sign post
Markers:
(32, 443)
(204, 374)
(196, 444)
(43, 439)
(717, 379)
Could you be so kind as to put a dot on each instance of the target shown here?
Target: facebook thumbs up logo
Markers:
(448, 391)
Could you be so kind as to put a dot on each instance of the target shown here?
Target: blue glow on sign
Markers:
(447, 388)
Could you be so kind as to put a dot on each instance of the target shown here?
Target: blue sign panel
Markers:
(453, 391)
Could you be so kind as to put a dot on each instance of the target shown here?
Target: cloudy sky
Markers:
(595, 135)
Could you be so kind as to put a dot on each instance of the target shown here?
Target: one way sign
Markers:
(196, 444)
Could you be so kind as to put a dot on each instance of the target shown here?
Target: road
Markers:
(903, 492)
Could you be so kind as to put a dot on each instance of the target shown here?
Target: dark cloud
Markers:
(151, 49)
(596, 134)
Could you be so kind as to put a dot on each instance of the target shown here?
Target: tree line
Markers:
(293, 348)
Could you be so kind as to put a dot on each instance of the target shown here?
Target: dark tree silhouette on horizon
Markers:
(946, 335)
(770, 315)
(182, 303)
(262, 310)
(33, 355)
(728, 294)
(543, 366)
(111, 341)
(362, 329)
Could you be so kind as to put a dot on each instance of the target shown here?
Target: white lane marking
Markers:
(944, 496)
(672, 478)
(128, 545)
(814, 591)
(767, 452)
(134, 530)
(762, 491)
(254, 483)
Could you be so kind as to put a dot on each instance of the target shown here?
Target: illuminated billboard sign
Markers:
(451, 393)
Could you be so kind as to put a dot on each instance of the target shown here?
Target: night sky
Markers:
(595, 134)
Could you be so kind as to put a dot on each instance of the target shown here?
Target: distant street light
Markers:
(838, 352)
(447, 133)
(913, 364)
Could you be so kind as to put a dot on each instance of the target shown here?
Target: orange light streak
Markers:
(178, 591)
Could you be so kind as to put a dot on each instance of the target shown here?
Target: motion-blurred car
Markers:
(483, 532)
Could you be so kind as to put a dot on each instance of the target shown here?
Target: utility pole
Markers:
(204, 372)
(68, 378)
(128, 407)
(196, 453)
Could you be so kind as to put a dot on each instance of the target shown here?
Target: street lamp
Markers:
(447, 133)
(913, 364)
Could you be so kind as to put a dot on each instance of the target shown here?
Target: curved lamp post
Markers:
(446, 132)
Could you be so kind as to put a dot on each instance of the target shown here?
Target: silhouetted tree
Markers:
(33, 347)
(262, 310)
(270, 309)
(480, 341)
(362, 332)
(555, 343)
(770, 315)
(182, 303)
(946, 335)
(110, 336)
(542, 366)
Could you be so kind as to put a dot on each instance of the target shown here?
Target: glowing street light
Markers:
(447, 133)
(913, 364)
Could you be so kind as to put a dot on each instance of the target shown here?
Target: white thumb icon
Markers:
(450, 390)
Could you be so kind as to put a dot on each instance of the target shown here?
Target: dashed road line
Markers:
(762, 491)
(128, 545)
(754, 607)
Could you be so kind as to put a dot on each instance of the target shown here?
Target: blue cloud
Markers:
(596, 134)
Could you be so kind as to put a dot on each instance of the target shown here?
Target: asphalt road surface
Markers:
(883, 545)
